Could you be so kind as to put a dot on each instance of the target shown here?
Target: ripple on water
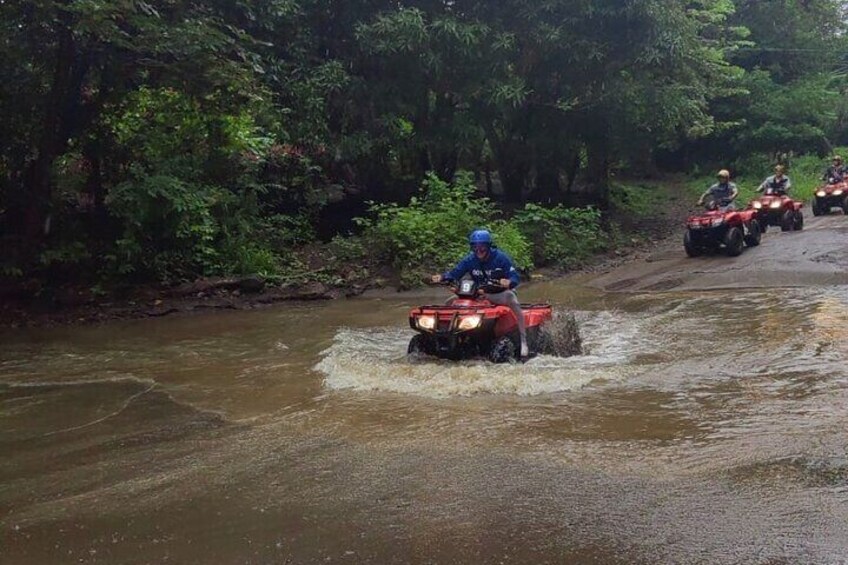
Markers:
(816, 472)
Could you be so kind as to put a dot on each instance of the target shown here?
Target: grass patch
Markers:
(640, 200)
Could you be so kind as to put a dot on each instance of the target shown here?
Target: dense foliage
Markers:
(561, 236)
(430, 233)
(166, 139)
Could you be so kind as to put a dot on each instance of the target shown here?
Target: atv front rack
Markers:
(443, 307)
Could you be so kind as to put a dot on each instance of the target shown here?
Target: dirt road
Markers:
(816, 256)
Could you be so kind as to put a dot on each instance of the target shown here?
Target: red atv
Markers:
(778, 209)
(832, 195)
(721, 226)
(471, 326)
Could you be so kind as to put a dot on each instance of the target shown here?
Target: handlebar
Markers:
(775, 192)
(487, 287)
(715, 204)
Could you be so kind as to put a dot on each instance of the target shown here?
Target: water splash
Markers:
(376, 360)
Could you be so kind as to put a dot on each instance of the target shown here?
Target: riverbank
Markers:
(643, 222)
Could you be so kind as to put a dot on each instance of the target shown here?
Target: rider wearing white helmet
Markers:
(723, 192)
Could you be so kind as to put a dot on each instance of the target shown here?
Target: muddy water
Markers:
(701, 427)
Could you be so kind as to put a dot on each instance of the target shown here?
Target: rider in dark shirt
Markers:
(723, 192)
(836, 172)
(778, 183)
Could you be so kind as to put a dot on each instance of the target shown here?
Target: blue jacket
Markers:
(481, 271)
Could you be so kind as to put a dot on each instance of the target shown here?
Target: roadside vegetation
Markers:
(158, 142)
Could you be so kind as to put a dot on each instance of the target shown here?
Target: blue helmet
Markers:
(480, 236)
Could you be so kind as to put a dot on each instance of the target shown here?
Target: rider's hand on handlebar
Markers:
(505, 283)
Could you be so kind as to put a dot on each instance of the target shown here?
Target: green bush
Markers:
(639, 200)
(282, 232)
(561, 236)
(250, 258)
(431, 233)
(188, 207)
(350, 249)
(170, 227)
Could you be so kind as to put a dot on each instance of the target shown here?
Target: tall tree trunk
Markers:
(52, 143)
(448, 164)
(547, 180)
(512, 169)
(571, 173)
(513, 173)
(598, 168)
(488, 174)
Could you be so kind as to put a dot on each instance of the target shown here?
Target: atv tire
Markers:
(419, 345)
(503, 350)
(845, 206)
(754, 234)
(817, 209)
(691, 249)
(798, 223)
(734, 241)
(787, 221)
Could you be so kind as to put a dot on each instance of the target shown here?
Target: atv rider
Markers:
(836, 172)
(778, 183)
(483, 261)
(723, 192)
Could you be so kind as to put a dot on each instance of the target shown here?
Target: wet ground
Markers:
(817, 256)
(705, 424)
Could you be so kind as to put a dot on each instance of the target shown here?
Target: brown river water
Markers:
(700, 427)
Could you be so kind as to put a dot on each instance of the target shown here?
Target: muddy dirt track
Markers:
(816, 256)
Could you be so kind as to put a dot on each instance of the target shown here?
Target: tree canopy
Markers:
(170, 138)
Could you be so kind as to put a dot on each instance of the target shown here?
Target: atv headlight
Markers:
(837, 192)
(758, 204)
(775, 205)
(470, 323)
(821, 194)
(717, 222)
(427, 322)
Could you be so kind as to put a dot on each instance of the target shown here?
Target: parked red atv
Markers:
(471, 326)
(778, 209)
(832, 195)
(720, 226)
